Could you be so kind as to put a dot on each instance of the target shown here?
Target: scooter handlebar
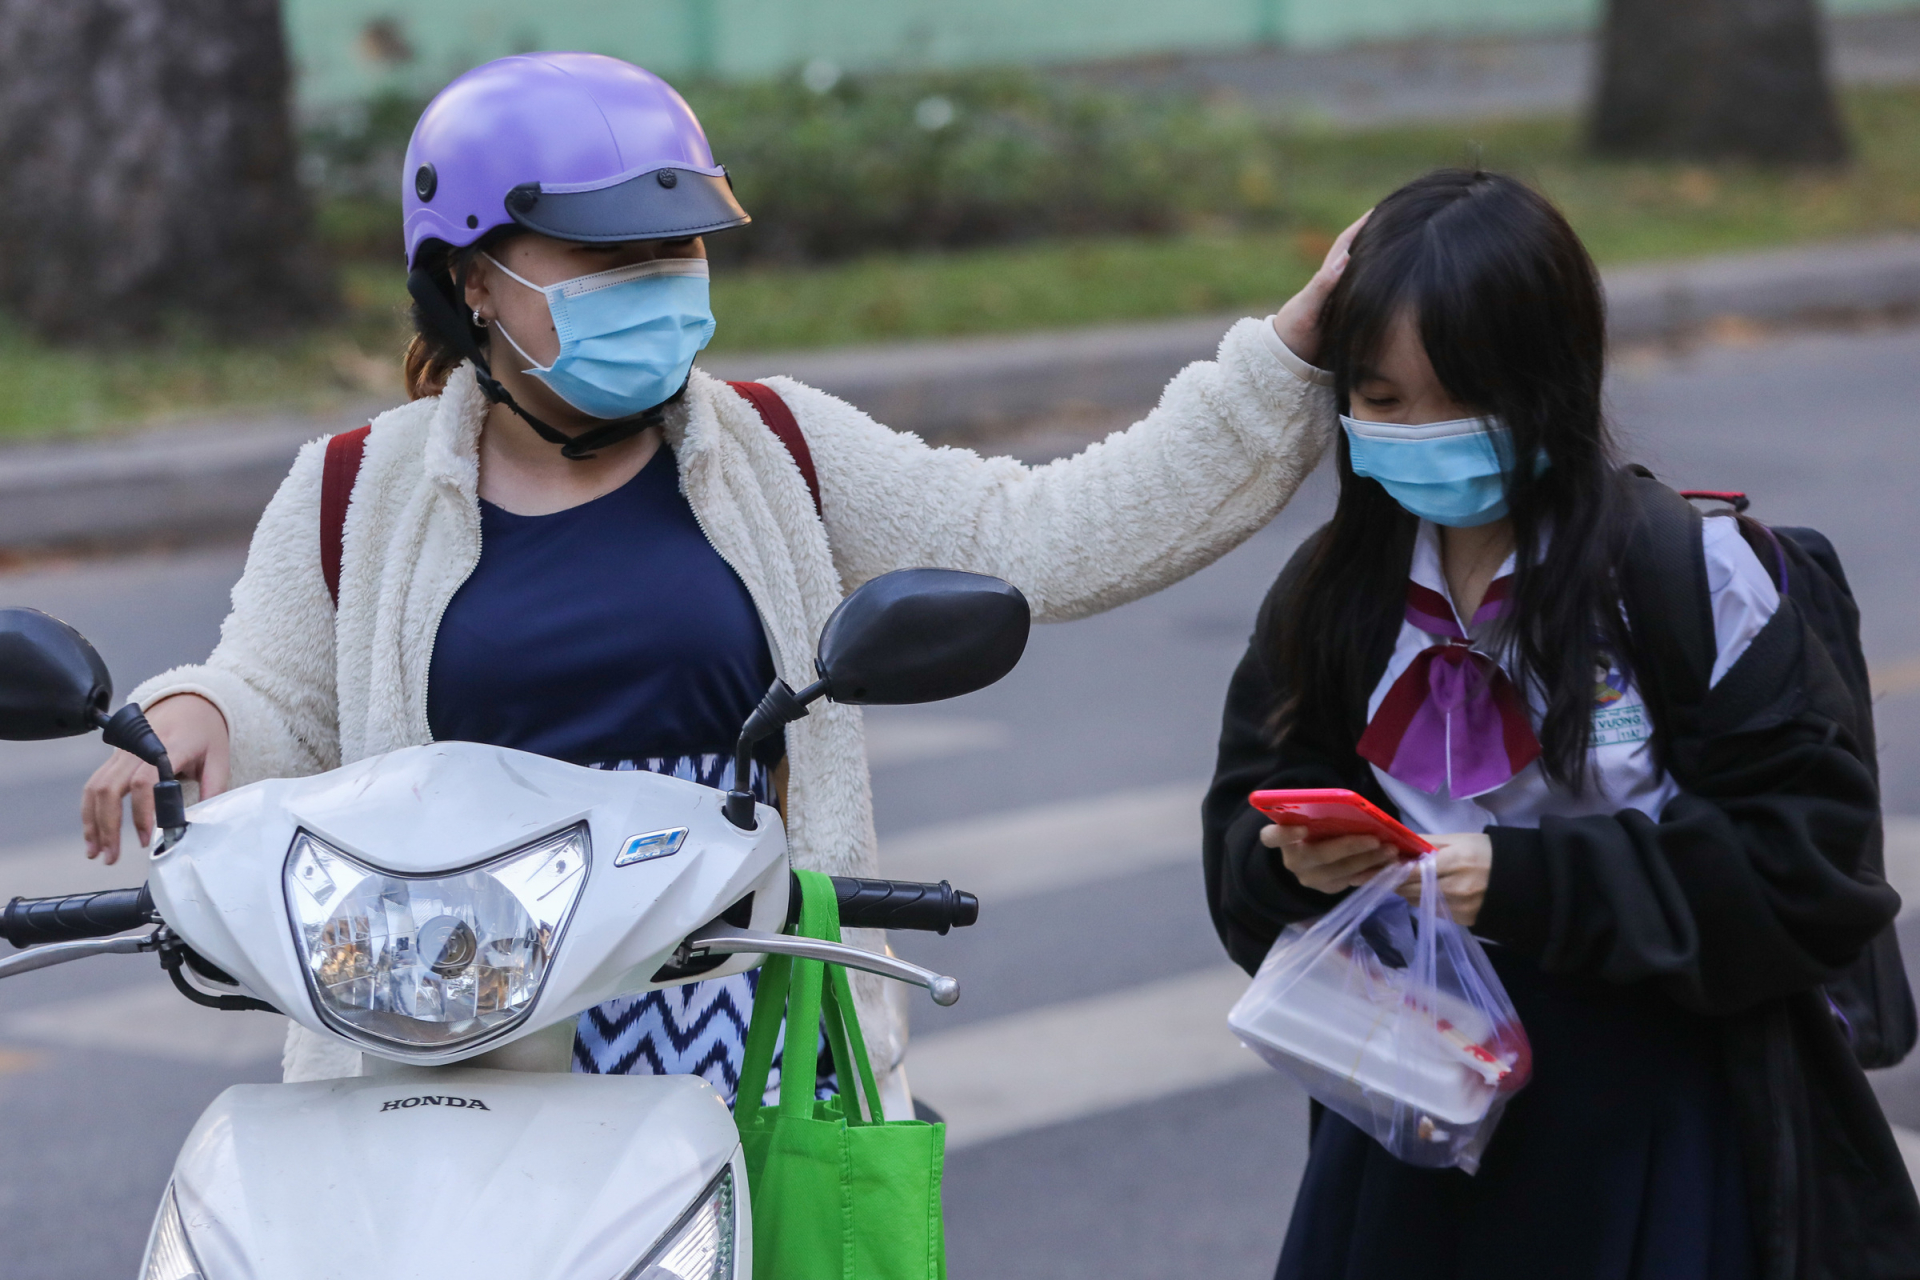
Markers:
(864, 904)
(896, 904)
(28, 922)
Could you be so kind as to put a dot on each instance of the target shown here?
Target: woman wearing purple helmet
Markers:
(573, 542)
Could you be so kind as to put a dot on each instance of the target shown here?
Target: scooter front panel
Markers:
(431, 1173)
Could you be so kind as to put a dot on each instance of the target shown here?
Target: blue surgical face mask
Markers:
(1452, 473)
(627, 336)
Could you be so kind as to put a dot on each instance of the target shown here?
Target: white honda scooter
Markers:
(449, 910)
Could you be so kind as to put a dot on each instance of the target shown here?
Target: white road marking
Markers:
(1082, 841)
(908, 739)
(1055, 846)
(1896, 678)
(58, 866)
(1060, 1062)
(155, 1022)
(992, 1079)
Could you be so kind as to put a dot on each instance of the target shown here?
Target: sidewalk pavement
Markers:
(180, 484)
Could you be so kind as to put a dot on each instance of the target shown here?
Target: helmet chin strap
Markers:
(448, 322)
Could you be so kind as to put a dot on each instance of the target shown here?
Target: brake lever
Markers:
(720, 938)
(53, 953)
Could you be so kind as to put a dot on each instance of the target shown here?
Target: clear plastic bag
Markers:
(1390, 1015)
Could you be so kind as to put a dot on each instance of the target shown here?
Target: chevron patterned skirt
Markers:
(698, 1029)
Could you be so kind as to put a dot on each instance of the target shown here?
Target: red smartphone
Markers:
(1335, 811)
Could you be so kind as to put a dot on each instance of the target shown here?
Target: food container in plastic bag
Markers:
(1390, 1015)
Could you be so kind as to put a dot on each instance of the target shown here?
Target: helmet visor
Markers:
(664, 204)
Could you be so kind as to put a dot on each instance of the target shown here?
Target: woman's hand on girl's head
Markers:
(1461, 863)
(1327, 866)
(1298, 323)
(195, 736)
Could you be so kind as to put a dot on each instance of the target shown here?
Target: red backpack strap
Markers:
(779, 419)
(341, 469)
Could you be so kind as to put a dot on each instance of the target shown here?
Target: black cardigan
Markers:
(1738, 903)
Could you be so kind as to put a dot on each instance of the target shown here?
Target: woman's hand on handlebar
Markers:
(1327, 866)
(1298, 323)
(195, 736)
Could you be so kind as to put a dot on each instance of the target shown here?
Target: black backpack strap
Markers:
(1663, 585)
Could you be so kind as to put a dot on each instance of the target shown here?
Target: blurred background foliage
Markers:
(850, 166)
(918, 206)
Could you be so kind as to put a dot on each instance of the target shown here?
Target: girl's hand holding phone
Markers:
(1330, 865)
(1461, 863)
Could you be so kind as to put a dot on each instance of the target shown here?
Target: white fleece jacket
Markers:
(305, 688)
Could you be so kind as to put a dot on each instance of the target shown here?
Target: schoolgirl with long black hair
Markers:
(1664, 889)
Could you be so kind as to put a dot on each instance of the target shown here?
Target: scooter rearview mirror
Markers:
(922, 635)
(913, 635)
(52, 682)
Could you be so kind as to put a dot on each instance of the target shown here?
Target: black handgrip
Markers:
(27, 922)
(896, 904)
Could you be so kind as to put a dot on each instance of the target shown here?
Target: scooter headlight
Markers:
(700, 1245)
(431, 962)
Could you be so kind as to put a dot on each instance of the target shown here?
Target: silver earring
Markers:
(479, 321)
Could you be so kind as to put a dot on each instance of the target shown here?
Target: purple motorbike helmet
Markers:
(578, 146)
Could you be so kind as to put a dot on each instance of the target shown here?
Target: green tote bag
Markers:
(838, 1192)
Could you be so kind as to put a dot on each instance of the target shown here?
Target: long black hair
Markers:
(1507, 304)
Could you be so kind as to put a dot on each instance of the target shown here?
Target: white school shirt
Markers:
(1624, 774)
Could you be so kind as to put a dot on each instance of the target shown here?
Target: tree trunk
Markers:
(149, 174)
(1716, 79)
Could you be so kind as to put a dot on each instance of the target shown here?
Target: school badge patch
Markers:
(1618, 722)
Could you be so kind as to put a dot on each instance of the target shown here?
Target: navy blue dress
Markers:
(612, 634)
(1618, 1161)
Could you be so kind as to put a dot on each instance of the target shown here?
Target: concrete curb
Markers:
(176, 483)
(173, 484)
(1858, 278)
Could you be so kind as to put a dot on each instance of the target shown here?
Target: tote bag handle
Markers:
(804, 991)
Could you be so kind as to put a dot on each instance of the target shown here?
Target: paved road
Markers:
(1102, 1123)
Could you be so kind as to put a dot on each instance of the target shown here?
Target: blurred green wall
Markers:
(346, 49)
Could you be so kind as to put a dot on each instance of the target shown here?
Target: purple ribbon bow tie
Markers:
(1453, 718)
